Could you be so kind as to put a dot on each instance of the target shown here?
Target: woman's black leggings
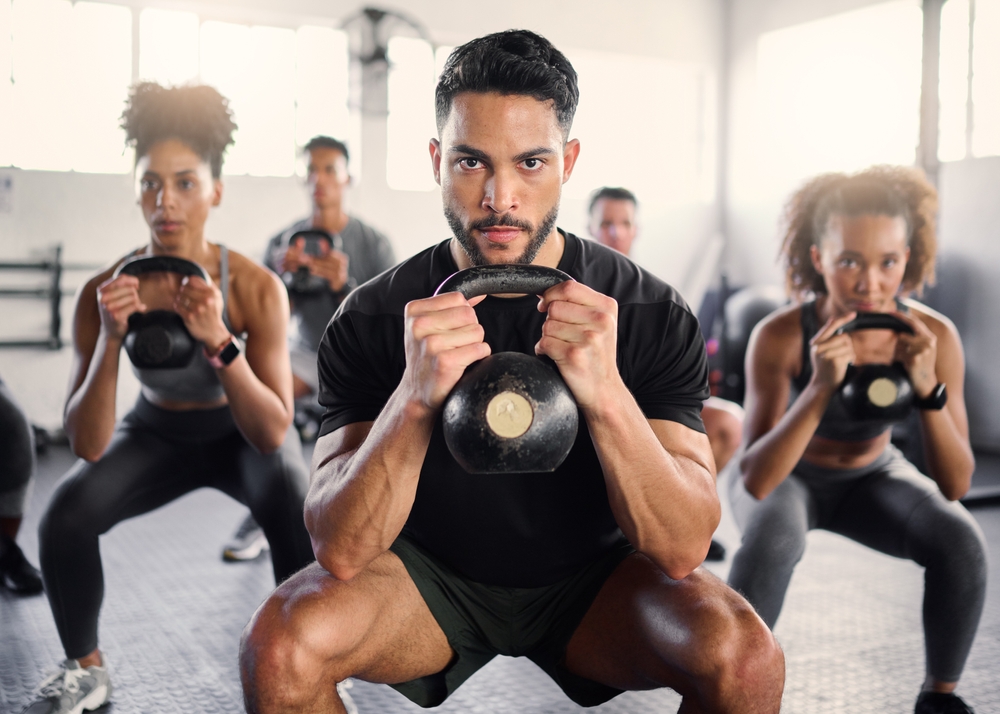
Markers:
(17, 456)
(156, 456)
(888, 506)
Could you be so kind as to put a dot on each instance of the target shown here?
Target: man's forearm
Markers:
(664, 498)
(361, 497)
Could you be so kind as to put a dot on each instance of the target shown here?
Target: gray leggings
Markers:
(17, 456)
(887, 505)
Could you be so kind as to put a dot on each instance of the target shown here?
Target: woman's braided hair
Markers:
(880, 190)
(195, 114)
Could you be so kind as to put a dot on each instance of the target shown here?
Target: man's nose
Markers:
(500, 194)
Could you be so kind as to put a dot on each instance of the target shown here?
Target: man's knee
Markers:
(293, 646)
(743, 661)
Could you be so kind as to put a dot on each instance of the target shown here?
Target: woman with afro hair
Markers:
(223, 421)
(854, 244)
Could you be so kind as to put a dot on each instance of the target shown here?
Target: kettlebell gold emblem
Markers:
(509, 415)
(882, 392)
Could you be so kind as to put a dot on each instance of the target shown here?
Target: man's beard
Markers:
(536, 240)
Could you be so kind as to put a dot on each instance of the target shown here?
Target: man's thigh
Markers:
(646, 630)
(317, 629)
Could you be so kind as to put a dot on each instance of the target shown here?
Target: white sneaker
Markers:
(248, 542)
(72, 690)
(349, 704)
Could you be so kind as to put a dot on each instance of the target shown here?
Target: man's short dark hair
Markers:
(513, 62)
(611, 193)
(326, 142)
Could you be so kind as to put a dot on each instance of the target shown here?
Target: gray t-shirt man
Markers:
(369, 253)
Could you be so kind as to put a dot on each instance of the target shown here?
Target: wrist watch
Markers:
(224, 354)
(935, 400)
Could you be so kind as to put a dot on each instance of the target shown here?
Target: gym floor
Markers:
(173, 613)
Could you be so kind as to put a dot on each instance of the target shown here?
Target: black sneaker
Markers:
(16, 573)
(941, 703)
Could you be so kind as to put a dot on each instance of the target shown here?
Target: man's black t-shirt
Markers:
(515, 530)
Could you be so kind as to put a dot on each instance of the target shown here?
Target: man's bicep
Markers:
(338, 442)
(684, 442)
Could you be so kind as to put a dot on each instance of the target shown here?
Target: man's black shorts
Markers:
(482, 621)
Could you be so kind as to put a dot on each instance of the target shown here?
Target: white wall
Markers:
(96, 219)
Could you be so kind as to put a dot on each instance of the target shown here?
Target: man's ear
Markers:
(435, 149)
(216, 192)
(570, 154)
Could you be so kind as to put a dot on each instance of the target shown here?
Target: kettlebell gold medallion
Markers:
(882, 392)
(509, 415)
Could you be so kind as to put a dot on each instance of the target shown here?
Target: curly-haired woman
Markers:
(860, 243)
(223, 421)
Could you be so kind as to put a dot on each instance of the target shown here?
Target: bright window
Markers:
(71, 69)
(646, 124)
(986, 79)
(65, 69)
(6, 88)
(410, 124)
(839, 94)
(321, 82)
(252, 67)
(168, 46)
(953, 89)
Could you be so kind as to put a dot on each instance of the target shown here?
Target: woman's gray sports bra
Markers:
(197, 382)
(836, 423)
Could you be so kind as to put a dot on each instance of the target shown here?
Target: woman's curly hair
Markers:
(880, 190)
(195, 114)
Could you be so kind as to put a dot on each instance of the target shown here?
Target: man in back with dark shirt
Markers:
(426, 572)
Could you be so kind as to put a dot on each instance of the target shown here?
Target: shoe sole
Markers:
(238, 556)
(96, 699)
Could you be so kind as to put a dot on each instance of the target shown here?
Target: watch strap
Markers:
(935, 400)
(224, 355)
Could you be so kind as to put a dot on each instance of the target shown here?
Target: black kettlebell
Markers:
(510, 412)
(158, 339)
(877, 391)
(301, 281)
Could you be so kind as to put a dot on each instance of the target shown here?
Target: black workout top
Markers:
(198, 382)
(836, 423)
(515, 530)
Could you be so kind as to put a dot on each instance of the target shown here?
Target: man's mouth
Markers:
(500, 234)
(166, 226)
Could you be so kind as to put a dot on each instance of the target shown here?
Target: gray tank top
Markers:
(197, 382)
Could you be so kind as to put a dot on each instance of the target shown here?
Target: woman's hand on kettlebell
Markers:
(200, 306)
(918, 353)
(117, 299)
(580, 334)
(831, 353)
(442, 336)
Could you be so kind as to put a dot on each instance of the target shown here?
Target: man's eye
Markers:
(889, 263)
(469, 163)
(532, 164)
(148, 185)
(186, 184)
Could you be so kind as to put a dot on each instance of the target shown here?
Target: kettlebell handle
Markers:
(875, 321)
(502, 279)
(160, 263)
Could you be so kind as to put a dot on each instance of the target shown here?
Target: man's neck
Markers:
(331, 219)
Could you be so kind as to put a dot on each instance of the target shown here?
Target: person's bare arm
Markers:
(931, 355)
(659, 474)
(258, 383)
(365, 474)
(100, 321)
(777, 437)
